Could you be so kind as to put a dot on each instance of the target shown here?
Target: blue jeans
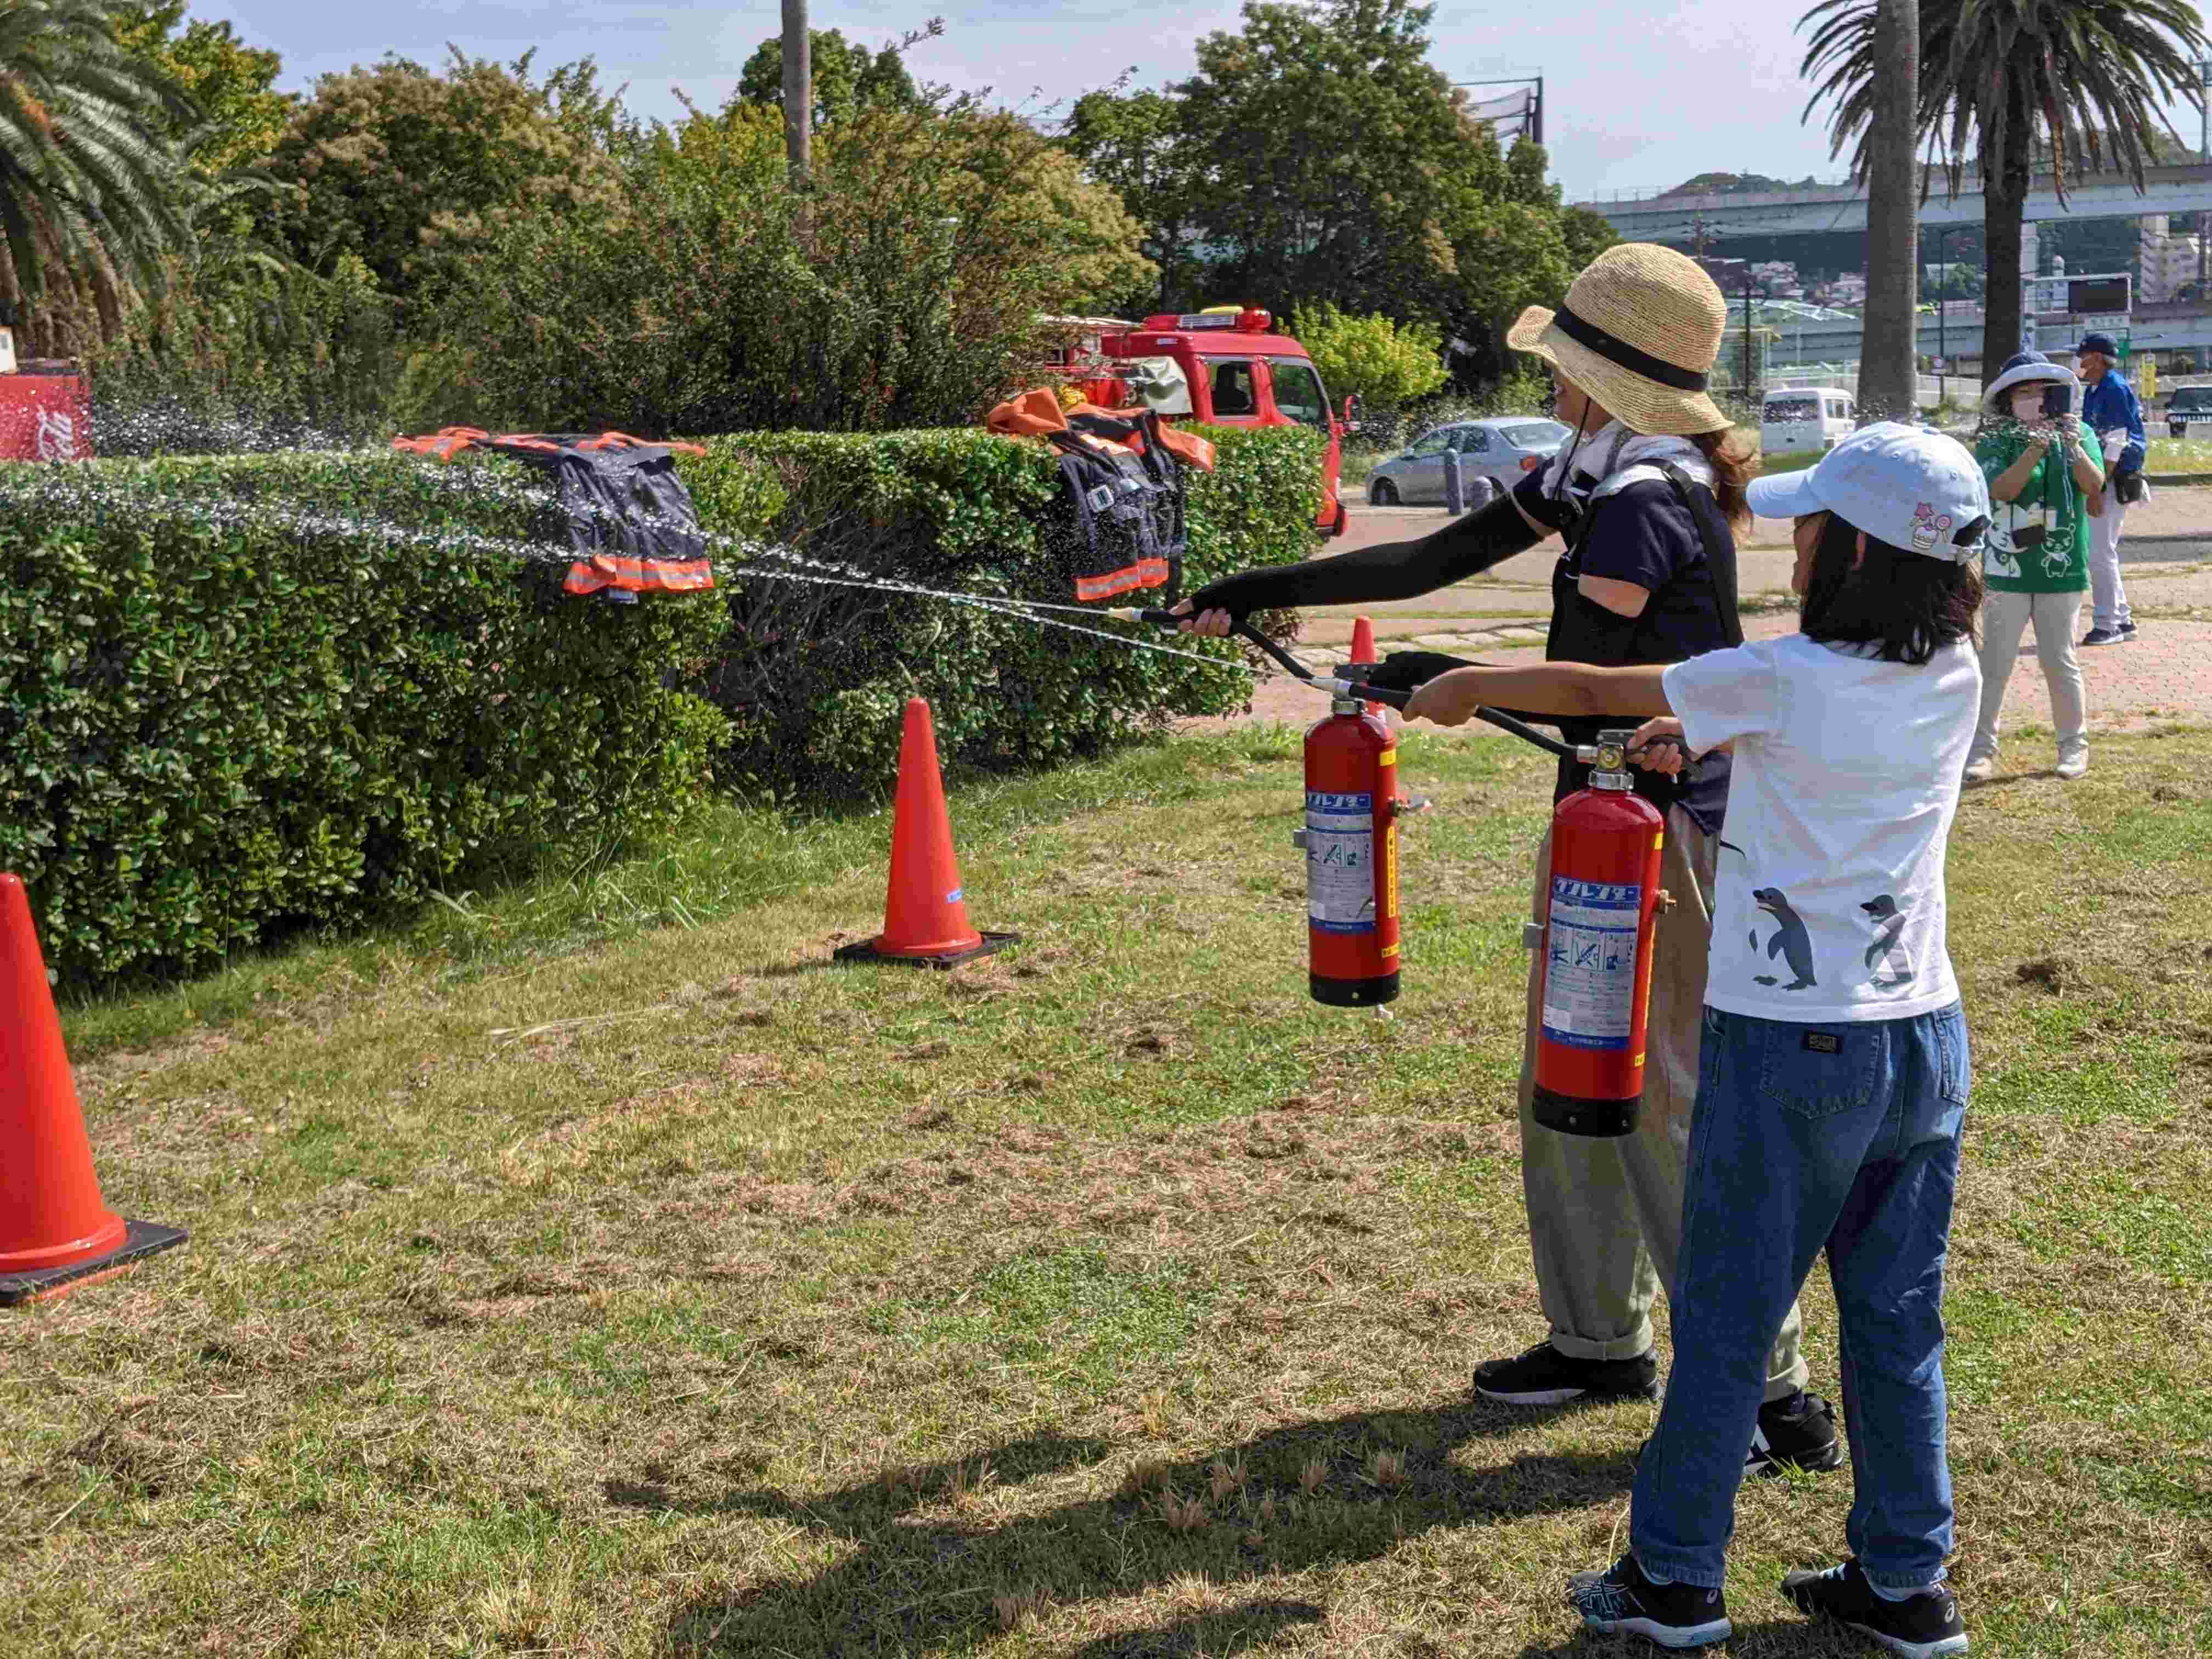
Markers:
(1804, 1135)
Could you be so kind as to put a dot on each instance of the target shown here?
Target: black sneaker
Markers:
(1544, 1376)
(2107, 637)
(2128, 632)
(1923, 1626)
(1673, 1615)
(1797, 1433)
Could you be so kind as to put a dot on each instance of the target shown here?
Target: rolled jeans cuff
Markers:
(1633, 1346)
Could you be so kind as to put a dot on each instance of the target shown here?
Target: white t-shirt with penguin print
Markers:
(1830, 895)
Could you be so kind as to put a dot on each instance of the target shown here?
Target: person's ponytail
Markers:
(1734, 460)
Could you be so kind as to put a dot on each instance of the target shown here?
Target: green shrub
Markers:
(246, 693)
(814, 676)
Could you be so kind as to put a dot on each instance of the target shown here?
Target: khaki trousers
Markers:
(1605, 1216)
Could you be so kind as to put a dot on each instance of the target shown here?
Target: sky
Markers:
(1639, 97)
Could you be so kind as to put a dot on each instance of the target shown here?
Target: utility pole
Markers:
(1744, 386)
(798, 91)
(2204, 153)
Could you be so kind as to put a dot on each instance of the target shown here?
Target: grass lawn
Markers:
(2176, 454)
(589, 1268)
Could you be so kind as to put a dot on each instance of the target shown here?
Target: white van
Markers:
(1794, 420)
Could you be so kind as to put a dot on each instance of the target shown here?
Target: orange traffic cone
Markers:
(924, 918)
(1363, 654)
(56, 1232)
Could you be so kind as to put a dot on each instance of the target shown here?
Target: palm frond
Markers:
(88, 170)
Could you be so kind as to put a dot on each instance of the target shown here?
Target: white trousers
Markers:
(2005, 618)
(2108, 598)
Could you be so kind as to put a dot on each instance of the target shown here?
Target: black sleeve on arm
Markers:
(1391, 570)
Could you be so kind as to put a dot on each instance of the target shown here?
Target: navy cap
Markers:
(2103, 345)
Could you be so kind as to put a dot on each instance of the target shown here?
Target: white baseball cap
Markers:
(1915, 490)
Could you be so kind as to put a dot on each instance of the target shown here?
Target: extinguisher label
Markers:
(1590, 970)
(1341, 861)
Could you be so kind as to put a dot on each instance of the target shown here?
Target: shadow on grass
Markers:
(1772, 1638)
(1229, 1630)
(917, 1584)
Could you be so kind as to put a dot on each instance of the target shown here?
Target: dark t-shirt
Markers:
(1643, 534)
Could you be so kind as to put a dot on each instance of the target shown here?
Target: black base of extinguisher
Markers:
(1353, 993)
(1599, 1119)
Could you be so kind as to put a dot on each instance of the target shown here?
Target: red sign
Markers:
(44, 417)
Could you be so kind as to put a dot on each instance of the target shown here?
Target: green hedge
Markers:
(814, 678)
(238, 695)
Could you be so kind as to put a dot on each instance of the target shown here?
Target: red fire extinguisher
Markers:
(1606, 842)
(1351, 842)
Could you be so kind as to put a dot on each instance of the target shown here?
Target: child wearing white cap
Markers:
(1833, 1079)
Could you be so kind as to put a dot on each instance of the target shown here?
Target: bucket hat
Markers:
(1638, 331)
(2023, 369)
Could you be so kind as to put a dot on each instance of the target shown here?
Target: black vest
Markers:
(1583, 630)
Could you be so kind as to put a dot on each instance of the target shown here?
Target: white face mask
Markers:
(2027, 406)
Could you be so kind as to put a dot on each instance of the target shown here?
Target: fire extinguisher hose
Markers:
(1354, 689)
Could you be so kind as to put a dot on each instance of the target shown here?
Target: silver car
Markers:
(1494, 448)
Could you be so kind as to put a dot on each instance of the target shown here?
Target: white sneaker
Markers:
(1981, 768)
(2072, 763)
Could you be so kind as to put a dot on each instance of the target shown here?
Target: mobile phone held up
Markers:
(2058, 399)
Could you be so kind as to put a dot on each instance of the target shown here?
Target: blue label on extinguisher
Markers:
(1589, 963)
(1341, 861)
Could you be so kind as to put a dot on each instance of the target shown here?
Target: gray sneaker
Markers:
(1981, 768)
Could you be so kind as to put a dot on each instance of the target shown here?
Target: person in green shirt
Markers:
(2045, 486)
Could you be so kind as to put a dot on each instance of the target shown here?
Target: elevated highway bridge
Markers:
(1820, 209)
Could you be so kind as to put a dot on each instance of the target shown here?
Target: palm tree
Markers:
(86, 175)
(2006, 84)
(1887, 383)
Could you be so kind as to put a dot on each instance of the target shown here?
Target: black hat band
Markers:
(1616, 350)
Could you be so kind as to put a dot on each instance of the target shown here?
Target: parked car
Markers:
(1793, 420)
(1499, 448)
(2190, 404)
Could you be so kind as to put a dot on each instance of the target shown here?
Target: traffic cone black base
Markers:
(144, 1238)
(992, 944)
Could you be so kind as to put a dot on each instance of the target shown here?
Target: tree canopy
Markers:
(847, 77)
(237, 114)
(1317, 159)
(398, 165)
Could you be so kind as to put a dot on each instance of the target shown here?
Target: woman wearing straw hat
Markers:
(1643, 496)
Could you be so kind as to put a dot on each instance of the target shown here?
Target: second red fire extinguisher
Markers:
(1351, 841)
(1604, 894)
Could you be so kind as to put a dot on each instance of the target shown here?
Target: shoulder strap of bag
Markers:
(1720, 546)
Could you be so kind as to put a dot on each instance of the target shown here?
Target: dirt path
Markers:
(2165, 674)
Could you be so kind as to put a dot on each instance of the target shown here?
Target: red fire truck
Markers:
(1241, 372)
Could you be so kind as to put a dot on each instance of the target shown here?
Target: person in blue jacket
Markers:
(2110, 408)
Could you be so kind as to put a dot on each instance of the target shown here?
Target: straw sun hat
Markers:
(1638, 332)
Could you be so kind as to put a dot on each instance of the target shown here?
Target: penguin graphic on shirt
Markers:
(1789, 941)
(1888, 963)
